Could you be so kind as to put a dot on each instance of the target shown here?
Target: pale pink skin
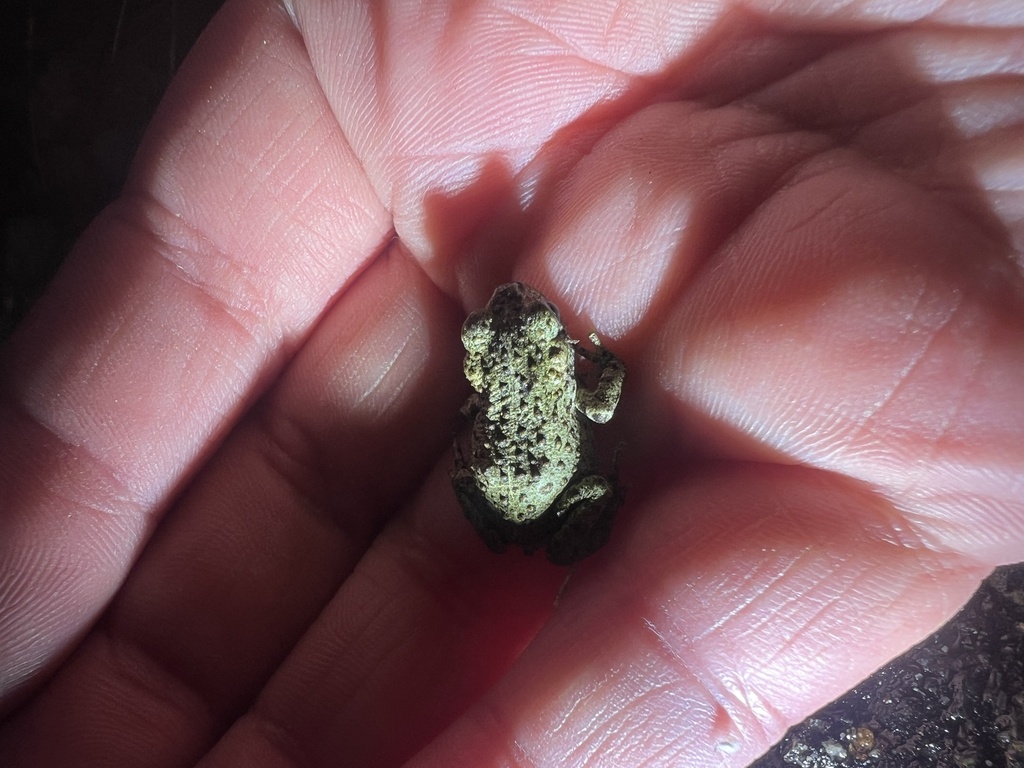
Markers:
(230, 420)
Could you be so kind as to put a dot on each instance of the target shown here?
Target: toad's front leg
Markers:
(598, 404)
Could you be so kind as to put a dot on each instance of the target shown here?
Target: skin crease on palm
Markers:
(227, 532)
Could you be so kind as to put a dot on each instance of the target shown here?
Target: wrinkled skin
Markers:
(226, 429)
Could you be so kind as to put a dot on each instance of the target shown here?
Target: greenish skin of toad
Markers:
(530, 476)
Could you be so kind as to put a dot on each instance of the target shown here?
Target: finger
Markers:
(262, 539)
(180, 300)
(428, 621)
(434, 104)
(447, 136)
(927, 304)
(724, 609)
(961, 13)
(846, 318)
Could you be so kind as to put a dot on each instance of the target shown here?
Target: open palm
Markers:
(228, 534)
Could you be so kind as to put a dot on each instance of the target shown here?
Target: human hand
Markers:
(798, 229)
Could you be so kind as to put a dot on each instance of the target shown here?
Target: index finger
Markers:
(245, 212)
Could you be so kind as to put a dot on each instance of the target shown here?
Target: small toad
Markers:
(530, 477)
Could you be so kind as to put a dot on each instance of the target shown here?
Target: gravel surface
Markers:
(956, 700)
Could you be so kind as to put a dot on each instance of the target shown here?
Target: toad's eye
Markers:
(477, 332)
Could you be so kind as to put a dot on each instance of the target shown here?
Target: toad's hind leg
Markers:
(587, 510)
(478, 510)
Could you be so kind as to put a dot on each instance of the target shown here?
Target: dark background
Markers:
(78, 84)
